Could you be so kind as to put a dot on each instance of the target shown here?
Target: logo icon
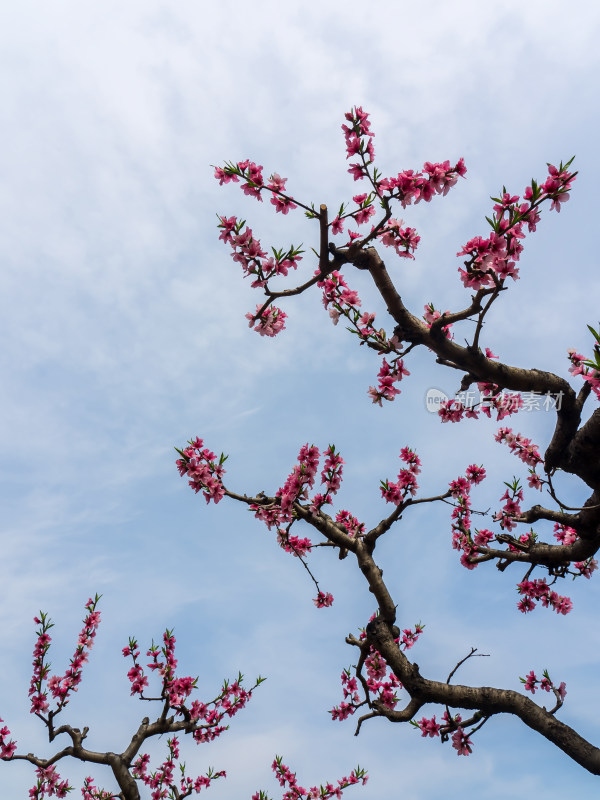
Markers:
(434, 399)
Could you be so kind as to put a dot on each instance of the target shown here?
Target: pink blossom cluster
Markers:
(461, 743)
(534, 480)
(412, 187)
(90, 792)
(407, 479)
(350, 523)
(461, 527)
(248, 252)
(462, 539)
(331, 478)
(176, 690)
(586, 567)
(526, 539)
(504, 403)
(483, 537)
(380, 683)
(296, 488)
(533, 591)
(431, 315)
(351, 697)
(366, 330)
(337, 295)
(429, 727)
(475, 474)
(410, 637)
(564, 534)
(453, 410)
(408, 187)
(323, 600)
(298, 547)
(39, 702)
(460, 740)
(524, 449)
(49, 784)
(388, 375)
(136, 676)
(531, 684)
(404, 240)
(162, 781)
(201, 467)
(365, 208)
(253, 183)
(581, 367)
(491, 260)
(460, 489)
(268, 322)
(60, 686)
(296, 792)
(511, 509)
(299, 481)
(356, 135)
(7, 748)
(343, 301)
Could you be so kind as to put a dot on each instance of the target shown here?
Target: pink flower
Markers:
(564, 534)
(357, 171)
(270, 323)
(387, 376)
(475, 474)
(530, 682)
(429, 727)
(403, 240)
(342, 712)
(224, 177)
(586, 567)
(562, 690)
(293, 544)
(562, 605)
(525, 605)
(283, 204)
(276, 183)
(461, 743)
(323, 600)
(337, 226)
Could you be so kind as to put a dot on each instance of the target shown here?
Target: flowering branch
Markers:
(202, 720)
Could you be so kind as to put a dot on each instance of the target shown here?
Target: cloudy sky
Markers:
(123, 334)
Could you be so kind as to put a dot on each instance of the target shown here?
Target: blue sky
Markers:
(124, 334)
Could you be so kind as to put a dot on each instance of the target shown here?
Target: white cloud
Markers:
(123, 333)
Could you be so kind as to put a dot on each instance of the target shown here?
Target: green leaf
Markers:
(594, 334)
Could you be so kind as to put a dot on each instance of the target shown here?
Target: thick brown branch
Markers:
(485, 699)
(581, 457)
(570, 449)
